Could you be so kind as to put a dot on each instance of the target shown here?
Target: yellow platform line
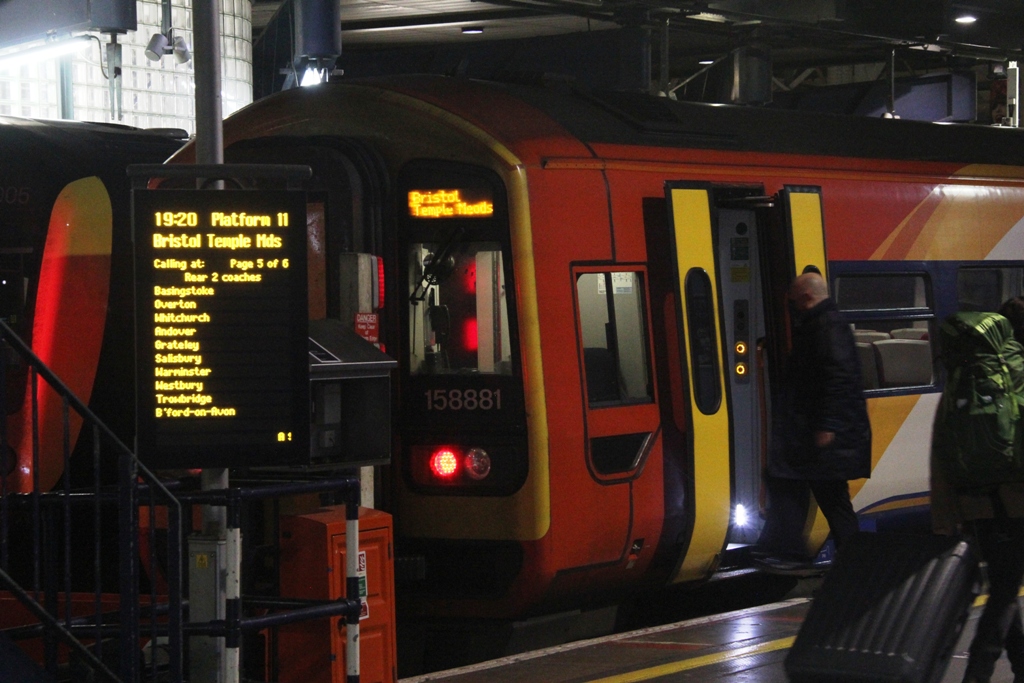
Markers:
(722, 657)
(697, 662)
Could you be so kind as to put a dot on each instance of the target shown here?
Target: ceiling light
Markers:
(155, 49)
(966, 19)
(312, 76)
(472, 30)
(45, 51)
(160, 45)
(706, 62)
(180, 50)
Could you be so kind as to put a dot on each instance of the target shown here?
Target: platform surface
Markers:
(746, 646)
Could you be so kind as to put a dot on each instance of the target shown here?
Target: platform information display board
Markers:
(221, 328)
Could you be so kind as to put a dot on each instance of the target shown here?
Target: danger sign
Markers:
(368, 326)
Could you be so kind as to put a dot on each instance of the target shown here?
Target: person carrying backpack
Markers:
(976, 469)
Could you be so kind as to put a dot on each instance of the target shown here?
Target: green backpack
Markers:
(978, 429)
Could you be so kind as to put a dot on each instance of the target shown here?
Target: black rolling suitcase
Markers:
(890, 609)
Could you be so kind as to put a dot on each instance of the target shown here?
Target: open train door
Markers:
(691, 211)
(804, 222)
(734, 253)
(805, 227)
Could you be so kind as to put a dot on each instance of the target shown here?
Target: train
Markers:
(586, 295)
(66, 276)
(585, 292)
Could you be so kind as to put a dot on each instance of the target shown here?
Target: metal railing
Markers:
(90, 605)
(55, 546)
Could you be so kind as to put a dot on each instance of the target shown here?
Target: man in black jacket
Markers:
(822, 436)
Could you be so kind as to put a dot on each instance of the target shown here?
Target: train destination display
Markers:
(221, 327)
(455, 203)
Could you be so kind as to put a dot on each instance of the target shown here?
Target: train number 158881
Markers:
(458, 399)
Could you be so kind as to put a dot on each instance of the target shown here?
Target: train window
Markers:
(986, 288)
(700, 314)
(611, 311)
(458, 318)
(871, 292)
(895, 351)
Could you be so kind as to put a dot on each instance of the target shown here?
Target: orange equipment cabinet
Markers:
(313, 566)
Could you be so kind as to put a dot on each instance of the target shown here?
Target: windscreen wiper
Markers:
(441, 265)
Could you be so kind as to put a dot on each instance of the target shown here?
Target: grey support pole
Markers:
(66, 90)
(352, 589)
(210, 150)
(209, 124)
(114, 78)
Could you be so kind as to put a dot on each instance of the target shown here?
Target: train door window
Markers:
(613, 332)
(703, 341)
(458, 315)
(893, 322)
(986, 288)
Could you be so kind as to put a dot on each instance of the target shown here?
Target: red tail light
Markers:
(380, 283)
(444, 464)
(450, 466)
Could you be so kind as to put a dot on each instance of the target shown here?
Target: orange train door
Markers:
(621, 416)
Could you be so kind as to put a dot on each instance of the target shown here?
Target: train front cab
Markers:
(673, 358)
(42, 297)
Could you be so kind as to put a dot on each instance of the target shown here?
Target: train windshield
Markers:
(458, 311)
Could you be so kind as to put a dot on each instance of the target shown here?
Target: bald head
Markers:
(807, 291)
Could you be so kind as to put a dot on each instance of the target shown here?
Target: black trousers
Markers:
(1002, 547)
(787, 513)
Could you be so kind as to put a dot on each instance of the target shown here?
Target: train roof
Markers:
(630, 118)
(82, 144)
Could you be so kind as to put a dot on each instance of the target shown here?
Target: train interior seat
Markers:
(903, 362)
(868, 365)
(602, 377)
(869, 336)
(910, 333)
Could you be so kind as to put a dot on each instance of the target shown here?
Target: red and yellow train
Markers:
(586, 299)
(585, 292)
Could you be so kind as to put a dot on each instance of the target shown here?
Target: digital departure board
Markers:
(221, 328)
